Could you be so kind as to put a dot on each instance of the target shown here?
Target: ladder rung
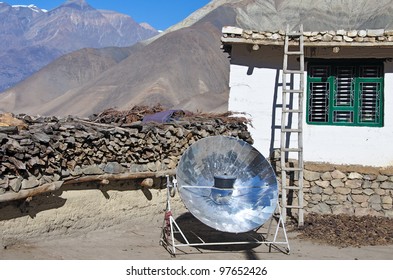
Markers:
(292, 188)
(291, 130)
(293, 90)
(292, 169)
(292, 111)
(293, 71)
(294, 206)
(294, 52)
(291, 150)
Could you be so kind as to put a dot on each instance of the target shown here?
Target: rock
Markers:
(328, 191)
(355, 175)
(13, 146)
(353, 184)
(4, 183)
(338, 38)
(376, 206)
(30, 183)
(17, 163)
(343, 190)
(321, 208)
(370, 177)
(316, 190)
(311, 176)
(375, 32)
(337, 174)
(114, 168)
(368, 192)
(343, 209)
(387, 200)
(362, 33)
(359, 198)
(322, 184)
(8, 129)
(70, 140)
(370, 39)
(375, 199)
(16, 184)
(152, 166)
(92, 170)
(381, 178)
(76, 171)
(336, 183)
(327, 38)
(352, 33)
(387, 185)
(65, 173)
(41, 137)
(8, 120)
(326, 176)
(381, 191)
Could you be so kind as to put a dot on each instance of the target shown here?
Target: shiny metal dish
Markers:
(227, 184)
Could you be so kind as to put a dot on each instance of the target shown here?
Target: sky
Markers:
(160, 14)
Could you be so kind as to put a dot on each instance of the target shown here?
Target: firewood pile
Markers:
(137, 113)
(348, 231)
(45, 150)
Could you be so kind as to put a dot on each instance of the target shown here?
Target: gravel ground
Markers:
(347, 231)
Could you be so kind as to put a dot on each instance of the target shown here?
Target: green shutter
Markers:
(345, 93)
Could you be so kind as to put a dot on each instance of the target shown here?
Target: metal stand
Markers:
(171, 227)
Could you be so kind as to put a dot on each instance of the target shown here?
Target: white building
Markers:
(348, 98)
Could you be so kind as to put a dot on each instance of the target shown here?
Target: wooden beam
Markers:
(118, 177)
(103, 179)
(23, 194)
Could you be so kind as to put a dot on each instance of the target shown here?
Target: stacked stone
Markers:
(359, 36)
(51, 149)
(335, 191)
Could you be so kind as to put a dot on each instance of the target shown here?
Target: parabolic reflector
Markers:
(227, 184)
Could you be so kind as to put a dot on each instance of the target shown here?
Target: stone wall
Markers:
(352, 190)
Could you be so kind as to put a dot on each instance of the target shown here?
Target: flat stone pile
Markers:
(50, 149)
(359, 36)
(350, 190)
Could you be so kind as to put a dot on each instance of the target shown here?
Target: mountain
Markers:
(30, 38)
(69, 71)
(184, 66)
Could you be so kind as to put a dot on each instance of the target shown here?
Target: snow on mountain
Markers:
(31, 6)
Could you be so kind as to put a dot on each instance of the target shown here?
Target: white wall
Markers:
(253, 94)
(253, 91)
(354, 145)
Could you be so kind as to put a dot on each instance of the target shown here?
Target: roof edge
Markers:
(366, 37)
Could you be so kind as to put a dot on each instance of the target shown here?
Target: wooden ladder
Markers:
(289, 111)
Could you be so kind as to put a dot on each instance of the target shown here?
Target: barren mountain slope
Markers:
(69, 71)
(183, 65)
(315, 15)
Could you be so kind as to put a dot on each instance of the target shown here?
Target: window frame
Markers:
(329, 78)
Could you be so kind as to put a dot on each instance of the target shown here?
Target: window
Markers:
(345, 92)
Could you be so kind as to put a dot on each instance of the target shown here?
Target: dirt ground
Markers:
(140, 241)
